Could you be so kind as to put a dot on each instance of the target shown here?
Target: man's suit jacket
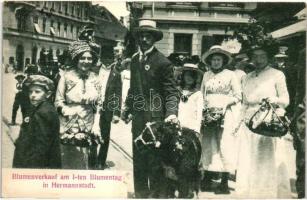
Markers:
(113, 94)
(152, 87)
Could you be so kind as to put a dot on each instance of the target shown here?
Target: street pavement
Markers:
(120, 151)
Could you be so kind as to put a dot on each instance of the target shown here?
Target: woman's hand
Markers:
(272, 100)
(67, 111)
(115, 119)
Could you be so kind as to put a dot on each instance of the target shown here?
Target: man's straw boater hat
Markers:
(148, 26)
(282, 52)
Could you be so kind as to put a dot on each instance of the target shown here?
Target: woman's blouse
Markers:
(220, 88)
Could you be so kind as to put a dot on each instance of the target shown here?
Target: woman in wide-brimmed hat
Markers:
(191, 101)
(76, 97)
(262, 169)
(221, 91)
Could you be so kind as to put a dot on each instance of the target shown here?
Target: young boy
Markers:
(38, 143)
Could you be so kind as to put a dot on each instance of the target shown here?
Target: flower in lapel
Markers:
(27, 119)
(147, 67)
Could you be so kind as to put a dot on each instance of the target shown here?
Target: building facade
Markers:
(30, 28)
(191, 27)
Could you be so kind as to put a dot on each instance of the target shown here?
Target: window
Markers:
(35, 19)
(65, 30)
(60, 7)
(72, 10)
(52, 31)
(183, 3)
(226, 4)
(11, 60)
(59, 28)
(206, 43)
(218, 39)
(86, 13)
(45, 4)
(34, 55)
(20, 57)
(183, 43)
(52, 6)
(77, 32)
(44, 25)
(58, 52)
(21, 19)
(78, 11)
(66, 8)
(72, 30)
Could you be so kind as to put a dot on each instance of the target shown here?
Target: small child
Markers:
(38, 143)
(191, 101)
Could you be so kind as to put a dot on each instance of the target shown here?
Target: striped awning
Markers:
(291, 29)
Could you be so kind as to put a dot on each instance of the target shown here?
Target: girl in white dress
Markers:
(221, 92)
(262, 171)
(191, 103)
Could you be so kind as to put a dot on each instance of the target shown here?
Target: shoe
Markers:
(222, 190)
(207, 186)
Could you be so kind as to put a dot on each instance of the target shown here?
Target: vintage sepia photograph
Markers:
(153, 99)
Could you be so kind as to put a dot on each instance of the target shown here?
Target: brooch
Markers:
(147, 67)
(27, 119)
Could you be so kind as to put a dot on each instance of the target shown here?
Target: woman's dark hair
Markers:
(194, 75)
(75, 61)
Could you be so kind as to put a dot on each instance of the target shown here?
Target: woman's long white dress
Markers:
(218, 144)
(261, 171)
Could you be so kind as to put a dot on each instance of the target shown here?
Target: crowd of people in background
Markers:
(218, 94)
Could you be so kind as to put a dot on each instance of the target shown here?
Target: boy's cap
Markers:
(40, 80)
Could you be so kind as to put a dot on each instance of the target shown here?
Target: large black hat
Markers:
(253, 36)
(148, 26)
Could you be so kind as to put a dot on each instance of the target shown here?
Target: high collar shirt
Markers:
(143, 55)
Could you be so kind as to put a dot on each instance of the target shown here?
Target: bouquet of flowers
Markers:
(253, 36)
(76, 136)
(213, 116)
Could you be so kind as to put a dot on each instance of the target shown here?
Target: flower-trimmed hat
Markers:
(148, 26)
(42, 81)
(78, 47)
(253, 37)
(216, 49)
